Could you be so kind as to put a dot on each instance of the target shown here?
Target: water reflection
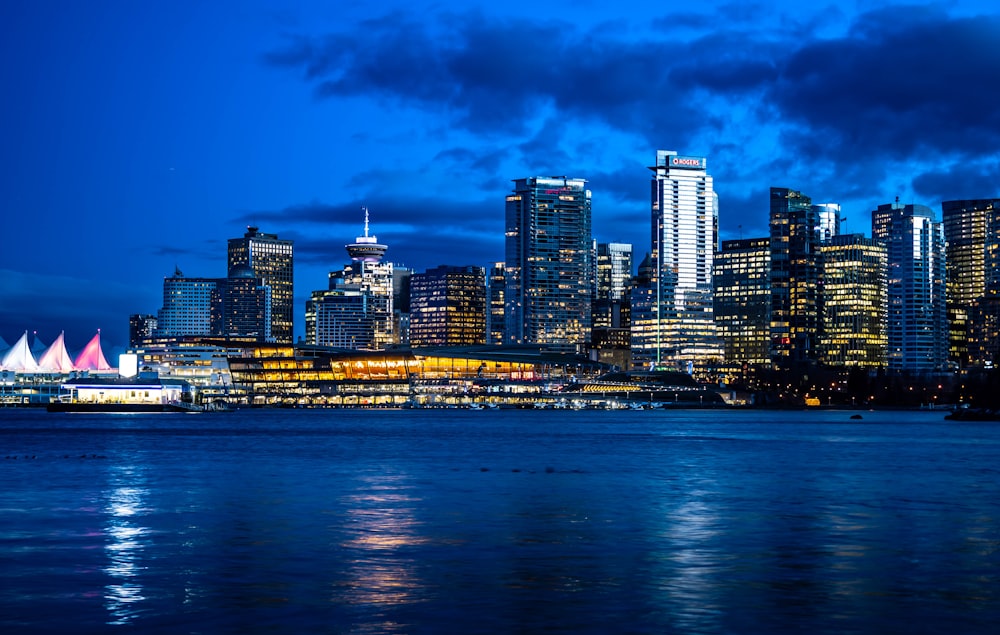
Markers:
(125, 544)
(379, 527)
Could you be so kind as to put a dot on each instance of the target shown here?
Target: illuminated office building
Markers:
(743, 301)
(684, 226)
(795, 268)
(241, 306)
(972, 236)
(853, 302)
(548, 263)
(495, 286)
(448, 307)
(271, 260)
(611, 308)
(917, 320)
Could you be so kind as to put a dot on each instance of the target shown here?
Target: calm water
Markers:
(350, 521)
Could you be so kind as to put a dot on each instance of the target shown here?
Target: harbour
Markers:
(454, 521)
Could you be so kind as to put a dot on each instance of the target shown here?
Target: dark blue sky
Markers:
(140, 136)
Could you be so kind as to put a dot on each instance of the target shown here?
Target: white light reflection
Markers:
(379, 527)
(125, 545)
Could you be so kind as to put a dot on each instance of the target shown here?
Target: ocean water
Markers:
(450, 521)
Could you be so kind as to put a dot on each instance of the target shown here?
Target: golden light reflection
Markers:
(380, 525)
(124, 547)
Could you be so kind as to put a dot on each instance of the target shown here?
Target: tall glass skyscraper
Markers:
(917, 319)
(972, 236)
(270, 259)
(548, 263)
(795, 269)
(684, 228)
(743, 301)
(853, 302)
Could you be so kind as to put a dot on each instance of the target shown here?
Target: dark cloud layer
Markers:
(899, 84)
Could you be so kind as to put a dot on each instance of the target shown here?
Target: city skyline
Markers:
(139, 139)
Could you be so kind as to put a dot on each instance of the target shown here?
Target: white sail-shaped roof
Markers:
(19, 357)
(56, 358)
(91, 357)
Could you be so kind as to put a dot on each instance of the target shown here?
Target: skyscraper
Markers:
(795, 270)
(448, 307)
(743, 301)
(495, 288)
(684, 228)
(356, 309)
(611, 308)
(972, 236)
(270, 259)
(853, 302)
(187, 306)
(917, 324)
(548, 261)
(241, 306)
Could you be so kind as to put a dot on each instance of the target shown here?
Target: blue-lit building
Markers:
(548, 288)
(917, 331)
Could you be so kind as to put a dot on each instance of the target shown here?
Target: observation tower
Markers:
(366, 248)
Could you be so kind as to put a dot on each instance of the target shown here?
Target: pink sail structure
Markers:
(19, 357)
(91, 358)
(55, 358)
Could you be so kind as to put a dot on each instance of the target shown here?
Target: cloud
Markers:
(901, 83)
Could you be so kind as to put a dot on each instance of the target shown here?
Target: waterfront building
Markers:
(448, 307)
(496, 284)
(140, 327)
(854, 297)
(917, 320)
(272, 260)
(241, 306)
(743, 301)
(684, 228)
(356, 309)
(972, 238)
(548, 263)
(529, 376)
(187, 306)
(795, 269)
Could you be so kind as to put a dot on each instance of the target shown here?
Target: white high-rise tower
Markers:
(675, 325)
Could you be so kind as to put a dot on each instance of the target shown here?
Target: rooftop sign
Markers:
(690, 163)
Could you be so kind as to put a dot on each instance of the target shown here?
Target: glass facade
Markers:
(743, 301)
(496, 285)
(448, 307)
(916, 320)
(972, 236)
(548, 263)
(684, 227)
(270, 259)
(795, 268)
(853, 303)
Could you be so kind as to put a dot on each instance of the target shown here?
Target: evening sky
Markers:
(137, 137)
